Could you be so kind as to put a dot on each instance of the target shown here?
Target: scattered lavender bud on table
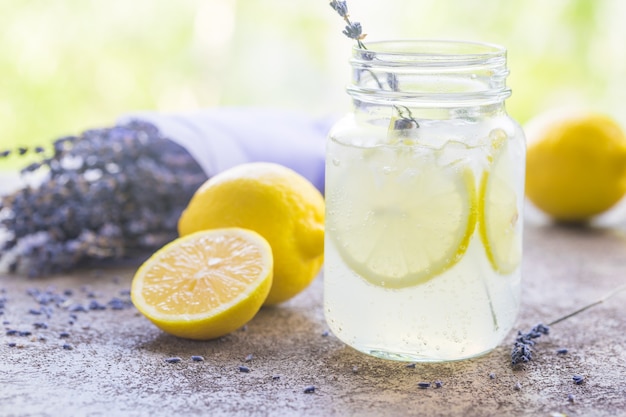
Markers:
(423, 385)
(118, 304)
(438, 384)
(197, 358)
(95, 305)
(492, 376)
(523, 347)
(571, 398)
(249, 357)
(67, 346)
(173, 359)
(244, 369)
(561, 351)
(76, 308)
(517, 386)
(310, 389)
(578, 379)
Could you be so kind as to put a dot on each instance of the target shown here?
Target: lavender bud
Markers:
(353, 31)
(340, 7)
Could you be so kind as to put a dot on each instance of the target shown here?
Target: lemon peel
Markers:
(276, 202)
(575, 165)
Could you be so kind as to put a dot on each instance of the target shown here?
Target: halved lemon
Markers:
(398, 218)
(206, 284)
(499, 222)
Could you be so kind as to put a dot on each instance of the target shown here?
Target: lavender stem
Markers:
(522, 351)
(588, 306)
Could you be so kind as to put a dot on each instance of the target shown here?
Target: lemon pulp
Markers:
(402, 218)
(499, 215)
(205, 285)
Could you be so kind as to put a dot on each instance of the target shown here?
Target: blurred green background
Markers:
(69, 65)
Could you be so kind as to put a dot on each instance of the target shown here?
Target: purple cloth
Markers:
(221, 138)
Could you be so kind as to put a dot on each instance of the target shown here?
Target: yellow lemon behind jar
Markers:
(576, 165)
(274, 201)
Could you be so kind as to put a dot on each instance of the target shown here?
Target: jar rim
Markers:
(430, 50)
(429, 71)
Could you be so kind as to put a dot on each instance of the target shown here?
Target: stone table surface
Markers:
(114, 362)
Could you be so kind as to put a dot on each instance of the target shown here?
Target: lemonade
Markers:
(424, 194)
(423, 239)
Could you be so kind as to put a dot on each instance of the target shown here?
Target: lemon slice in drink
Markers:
(398, 219)
(206, 284)
(499, 215)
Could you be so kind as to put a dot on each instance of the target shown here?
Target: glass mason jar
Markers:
(424, 194)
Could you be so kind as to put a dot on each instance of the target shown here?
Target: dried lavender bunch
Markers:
(522, 351)
(100, 195)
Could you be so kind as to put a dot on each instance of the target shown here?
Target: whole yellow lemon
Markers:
(277, 203)
(576, 164)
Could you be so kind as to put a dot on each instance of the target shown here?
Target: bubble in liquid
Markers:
(336, 162)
